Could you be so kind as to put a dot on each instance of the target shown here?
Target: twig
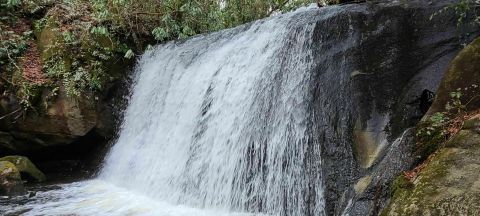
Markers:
(147, 13)
(471, 99)
(13, 61)
(9, 114)
(11, 83)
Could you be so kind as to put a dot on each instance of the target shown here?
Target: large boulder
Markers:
(10, 180)
(57, 119)
(463, 76)
(60, 123)
(24, 165)
(374, 62)
(448, 185)
(449, 182)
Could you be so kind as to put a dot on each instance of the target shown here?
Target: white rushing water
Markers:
(216, 125)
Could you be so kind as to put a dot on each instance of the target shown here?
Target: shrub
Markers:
(89, 34)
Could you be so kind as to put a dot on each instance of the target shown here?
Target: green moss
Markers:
(464, 139)
(451, 176)
(9, 171)
(24, 165)
(471, 124)
(428, 137)
(462, 73)
(47, 38)
(10, 180)
(400, 183)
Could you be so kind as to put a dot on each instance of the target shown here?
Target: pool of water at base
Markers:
(96, 197)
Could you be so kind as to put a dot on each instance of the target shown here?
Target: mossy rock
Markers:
(463, 72)
(47, 37)
(24, 165)
(400, 183)
(472, 124)
(448, 185)
(10, 179)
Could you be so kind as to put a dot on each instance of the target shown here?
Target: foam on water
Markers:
(100, 198)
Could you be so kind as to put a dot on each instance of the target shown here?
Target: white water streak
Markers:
(221, 124)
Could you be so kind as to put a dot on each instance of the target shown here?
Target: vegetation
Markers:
(72, 44)
(463, 7)
(462, 10)
(442, 125)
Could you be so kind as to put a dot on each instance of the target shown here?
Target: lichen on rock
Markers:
(462, 73)
(24, 165)
(10, 180)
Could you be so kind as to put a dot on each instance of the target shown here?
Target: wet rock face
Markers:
(449, 183)
(374, 60)
(70, 129)
(59, 121)
(64, 120)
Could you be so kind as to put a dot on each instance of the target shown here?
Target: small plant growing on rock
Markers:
(455, 104)
(462, 9)
(431, 132)
(442, 125)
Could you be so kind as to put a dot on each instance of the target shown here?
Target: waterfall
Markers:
(222, 124)
(223, 121)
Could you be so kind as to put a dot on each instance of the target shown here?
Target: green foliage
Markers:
(85, 36)
(12, 3)
(28, 93)
(431, 133)
(458, 103)
(462, 8)
(434, 131)
(129, 54)
(160, 34)
(100, 30)
(237, 12)
(178, 19)
(13, 42)
(455, 104)
(12, 45)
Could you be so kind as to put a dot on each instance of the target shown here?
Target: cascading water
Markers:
(220, 122)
